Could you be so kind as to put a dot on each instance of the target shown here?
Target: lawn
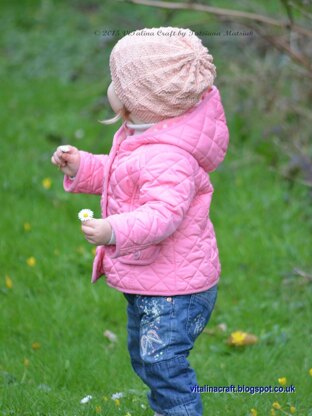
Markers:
(53, 352)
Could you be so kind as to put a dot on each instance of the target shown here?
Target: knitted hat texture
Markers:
(160, 73)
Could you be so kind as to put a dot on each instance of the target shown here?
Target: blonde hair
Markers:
(122, 114)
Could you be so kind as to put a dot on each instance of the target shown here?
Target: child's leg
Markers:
(168, 329)
(133, 328)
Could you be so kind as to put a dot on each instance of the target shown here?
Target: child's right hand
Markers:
(68, 162)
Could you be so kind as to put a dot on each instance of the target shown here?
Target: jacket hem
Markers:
(164, 293)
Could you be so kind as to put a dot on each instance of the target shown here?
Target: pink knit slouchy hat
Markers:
(160, 73)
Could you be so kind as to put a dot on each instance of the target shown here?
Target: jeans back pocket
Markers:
(200, 308)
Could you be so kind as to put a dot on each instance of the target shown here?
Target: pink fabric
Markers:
(156, 193)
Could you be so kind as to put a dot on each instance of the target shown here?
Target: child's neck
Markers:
(138, 127)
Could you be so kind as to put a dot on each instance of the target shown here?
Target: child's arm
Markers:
(165, 197)
(83, 171)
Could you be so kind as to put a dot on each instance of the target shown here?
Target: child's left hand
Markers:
(97, 231)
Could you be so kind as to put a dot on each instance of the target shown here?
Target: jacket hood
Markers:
(201, 131)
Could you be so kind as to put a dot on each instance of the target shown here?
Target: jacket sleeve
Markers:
(90, 175)
(166, 191)
(220, 140)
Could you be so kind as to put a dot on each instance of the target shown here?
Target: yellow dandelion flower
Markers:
(26, 362)
(46, 183)
(117, 402)
(276, 405)
(238, 337)
(272, 413)
(98, 409)
(36, 346)
(8, 282)
(253, 412)
(282, 381)
(310, 372)
(93, 251)
(292, 409)
(105, 398)
(27, 226)
(31, 261)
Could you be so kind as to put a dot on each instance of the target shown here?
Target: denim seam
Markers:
(157, 363)
(181, 405)
(172, 328)
(188, 321)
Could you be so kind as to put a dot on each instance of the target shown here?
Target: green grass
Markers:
(263, 229)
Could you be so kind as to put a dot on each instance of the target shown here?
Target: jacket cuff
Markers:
(113, 222)
(112, 240)
(123, 245)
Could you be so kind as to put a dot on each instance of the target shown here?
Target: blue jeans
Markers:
(161, 332)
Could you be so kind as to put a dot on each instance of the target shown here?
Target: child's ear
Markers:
(125, 113)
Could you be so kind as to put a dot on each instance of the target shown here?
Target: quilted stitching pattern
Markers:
(92, 182)
(156, 194)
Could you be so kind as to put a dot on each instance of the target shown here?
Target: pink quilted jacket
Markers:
(156, 194)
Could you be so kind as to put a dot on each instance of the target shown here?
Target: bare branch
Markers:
(236, 14)
(282, 46)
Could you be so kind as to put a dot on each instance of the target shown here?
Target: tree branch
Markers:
(236, 14)
(282, 46)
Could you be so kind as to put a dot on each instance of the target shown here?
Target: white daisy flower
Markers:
(110, 335)
(79, 134)
(117, 396)
(65, 149)
(85, 215)
(86, 399)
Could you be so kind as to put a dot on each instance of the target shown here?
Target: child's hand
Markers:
(68, 159)
(97, 231)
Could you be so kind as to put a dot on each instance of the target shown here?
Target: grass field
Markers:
(52, 349)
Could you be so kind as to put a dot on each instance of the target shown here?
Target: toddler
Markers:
(155, 241)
